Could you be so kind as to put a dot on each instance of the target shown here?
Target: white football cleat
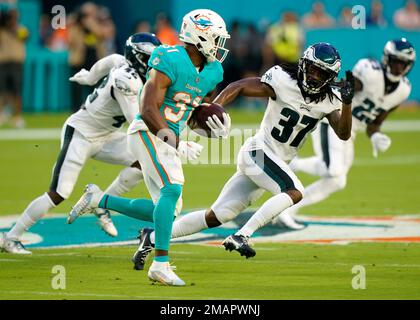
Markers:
(105, 222)
(286, 220)
(87, 203)
(163, 272)
(12, 246)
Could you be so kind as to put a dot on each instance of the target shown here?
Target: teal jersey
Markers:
(188, 87)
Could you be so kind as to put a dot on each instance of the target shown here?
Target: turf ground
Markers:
(387, 186)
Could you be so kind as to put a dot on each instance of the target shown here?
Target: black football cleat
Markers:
(146, 246)
(240, 244)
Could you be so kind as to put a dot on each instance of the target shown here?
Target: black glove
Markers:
(347, 88)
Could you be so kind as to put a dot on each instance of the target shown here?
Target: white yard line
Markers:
(54, 133)
(67, 294)
(30, 134)
(11, 260)
(391, 161)
(284, 262)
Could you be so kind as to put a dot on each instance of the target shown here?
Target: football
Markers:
(203, 112)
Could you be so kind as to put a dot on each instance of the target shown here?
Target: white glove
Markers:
(380, 142)
(83, 77)
(219, 129)
(189, 149)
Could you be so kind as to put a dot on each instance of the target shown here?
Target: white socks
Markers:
(187, 224)
(127, 179)
(271, 208)
(318, 191)
(312, 165)
(35, 211)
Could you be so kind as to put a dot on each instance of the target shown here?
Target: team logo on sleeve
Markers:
(156, 61)
(202, 22)
(268, 76)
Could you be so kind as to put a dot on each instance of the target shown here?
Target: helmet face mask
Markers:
(206, 30)
(318, 67)
(398, 59)
(221, 51)
(399, 67)
(316, 77)
(138, 49)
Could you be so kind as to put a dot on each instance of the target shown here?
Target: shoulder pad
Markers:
(405, 88)
(126, 80)
(276, 78)
(166, 59)
(118, 60)
(368, 71)
(407, 82)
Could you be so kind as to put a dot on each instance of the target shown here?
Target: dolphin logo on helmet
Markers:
(207, 31)
(202, 22)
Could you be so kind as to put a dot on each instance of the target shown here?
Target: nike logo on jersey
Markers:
(305, 107)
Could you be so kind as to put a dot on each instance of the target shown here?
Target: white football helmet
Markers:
(207, 31)
(398, 50)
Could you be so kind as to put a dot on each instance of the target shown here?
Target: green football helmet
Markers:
(318, 67)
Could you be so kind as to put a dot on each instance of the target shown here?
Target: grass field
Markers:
(387, 186)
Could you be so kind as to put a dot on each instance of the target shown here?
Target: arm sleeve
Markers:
(126, 81)
(102, 67)
(161, 61)
(128, 104)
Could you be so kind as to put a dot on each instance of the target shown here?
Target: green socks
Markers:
(140, 209)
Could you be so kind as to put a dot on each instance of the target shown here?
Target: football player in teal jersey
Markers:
(179, 80)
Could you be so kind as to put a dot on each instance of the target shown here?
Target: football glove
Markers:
(83, 77)
(189, 150)
(219, 129)
(347, 89)
(380, 142)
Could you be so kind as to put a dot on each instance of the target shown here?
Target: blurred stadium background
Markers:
(263, 33)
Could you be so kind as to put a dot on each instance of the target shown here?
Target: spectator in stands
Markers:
(235, 61)
(45, 30)
(86, 46)
(317, 18)
(376, 15)
(285, 39)
(253, 41)
(52, 38)
(346, 18)
(108, 29)
(143, 26)
(12, 57)
(408, 17)
(164, 30)
(59, 40)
